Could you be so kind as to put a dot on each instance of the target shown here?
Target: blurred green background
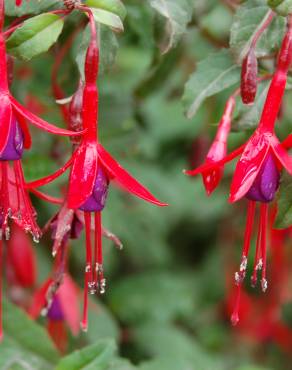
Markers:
(166, 304)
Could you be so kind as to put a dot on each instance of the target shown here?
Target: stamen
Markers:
(98, 256)
(264, 222)
(88, 283)
(258, 262)
(239, 276)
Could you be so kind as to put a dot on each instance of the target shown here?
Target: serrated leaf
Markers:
(29, 7)
(284, 214)
(95, 357)
(248, 19)
(113, 6)
(108, 19)
(25, 342)
(35, 36)
(177, 14)
(213, 75)
(108, 49)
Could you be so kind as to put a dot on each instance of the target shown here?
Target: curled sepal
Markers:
(282, 155)
(209, 166)
(82, 175)
(124, 179)
(249, 165)
(40, 123)
(249, 71)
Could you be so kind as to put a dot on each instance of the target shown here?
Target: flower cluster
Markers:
(262, 157)
(92, 169)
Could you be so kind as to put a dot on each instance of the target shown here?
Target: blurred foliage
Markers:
(164, 307)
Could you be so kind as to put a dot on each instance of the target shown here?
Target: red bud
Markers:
(249, 71)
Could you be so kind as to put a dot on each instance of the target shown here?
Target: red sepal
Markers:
(83, 174)
(39, 122)
(40, 299)
(21, 257)
(249, 165)
(68, 293)
(124, 179)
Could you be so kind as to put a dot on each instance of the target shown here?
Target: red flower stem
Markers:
(2, 14)
(3, 64)
(1, 288)
(277, 88)
(264, 222)
(90, 94)
(264, 26)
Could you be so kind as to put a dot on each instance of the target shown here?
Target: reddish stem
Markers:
(260, 31)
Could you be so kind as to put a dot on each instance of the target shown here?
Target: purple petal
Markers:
(96, 201)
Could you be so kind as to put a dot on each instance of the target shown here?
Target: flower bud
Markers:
(249, 71)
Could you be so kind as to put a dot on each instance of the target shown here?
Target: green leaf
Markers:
(248, 19)
(282, 7)
(151, 296)
(213, 75)
(108, 49)
(177, 14)
(25, 342)
(29, 7)
(108, 19)
(101, 323)
(35, 36)
(113, 6)
(95, 357)
(173, 344)
(284, 214)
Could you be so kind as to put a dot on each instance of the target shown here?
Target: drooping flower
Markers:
(257, 172)
(92, 170)
(218, 150)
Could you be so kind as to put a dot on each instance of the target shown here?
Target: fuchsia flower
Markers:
(257, 173)
(92, 169)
